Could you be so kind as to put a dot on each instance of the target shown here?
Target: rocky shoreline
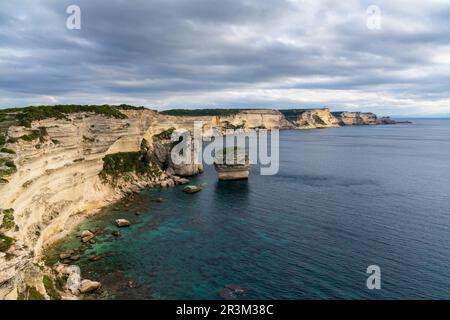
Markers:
(57, 171)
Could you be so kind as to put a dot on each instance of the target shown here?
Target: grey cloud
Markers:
(152, 52)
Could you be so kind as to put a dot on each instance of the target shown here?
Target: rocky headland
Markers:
(61, 164)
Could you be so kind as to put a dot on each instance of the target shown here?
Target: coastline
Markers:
(65, 171)
(234, 219)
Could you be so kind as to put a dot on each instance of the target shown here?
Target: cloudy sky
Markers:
(229, 53)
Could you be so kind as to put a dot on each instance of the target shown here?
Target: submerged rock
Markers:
(232, 291)
(122, 223)
(192, 189)
(94, 257)
(116, 233)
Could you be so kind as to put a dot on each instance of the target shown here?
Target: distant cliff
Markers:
(280, 119)
(59, 164)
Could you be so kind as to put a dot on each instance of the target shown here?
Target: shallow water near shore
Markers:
(343, 199)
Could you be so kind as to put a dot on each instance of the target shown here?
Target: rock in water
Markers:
(86, 236)
(65, 254)
(122, 223)
(75, 257)
(192, 189)
(89, 286)
(183, 181)
(94, 257)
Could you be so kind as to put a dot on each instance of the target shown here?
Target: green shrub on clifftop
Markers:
(202, 112)
(165, 135)
(25, 116)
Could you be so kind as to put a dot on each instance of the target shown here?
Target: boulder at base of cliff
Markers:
(183, 181)
(122, 223)
(188, 170)
(89, 286)
(86, 236)
(66, 254)
(192, 189)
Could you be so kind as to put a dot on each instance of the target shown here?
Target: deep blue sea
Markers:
(343, 199)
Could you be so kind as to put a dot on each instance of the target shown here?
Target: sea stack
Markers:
(232, 164)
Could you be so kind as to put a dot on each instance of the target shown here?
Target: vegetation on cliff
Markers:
(121, 163)
(50, 288)
(201, 112)
(165, 135)
(26, 115)
(6, 150)
(294, 112)
(129, 107)
(35, 134)
(8, 219)
(5, 242)
(33, 294)
(228, 125)
(7, 167)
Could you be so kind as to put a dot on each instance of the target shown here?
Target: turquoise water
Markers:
(344, 199)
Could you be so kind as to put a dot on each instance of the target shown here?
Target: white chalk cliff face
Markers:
(357, 118)
(57, 182)
(318, 118)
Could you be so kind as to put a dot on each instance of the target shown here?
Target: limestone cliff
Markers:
(56, 180)
(357, 118)
(311, 118)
